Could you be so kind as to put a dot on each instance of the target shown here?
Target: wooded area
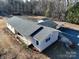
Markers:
(49, 8)
(72, 14)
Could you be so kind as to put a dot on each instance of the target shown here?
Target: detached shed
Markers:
(41, 36)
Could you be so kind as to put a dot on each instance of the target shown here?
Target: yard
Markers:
(11, 49)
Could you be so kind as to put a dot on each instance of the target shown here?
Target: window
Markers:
(37, 43)
(18, 33)
(47, 39)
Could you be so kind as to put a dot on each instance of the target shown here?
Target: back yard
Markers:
(11, 49)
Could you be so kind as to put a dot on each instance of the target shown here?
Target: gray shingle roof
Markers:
(26, 28)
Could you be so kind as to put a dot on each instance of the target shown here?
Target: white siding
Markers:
(43, 44)
(25, 40)
(11, 28)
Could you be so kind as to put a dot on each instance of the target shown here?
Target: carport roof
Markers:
(49, 23)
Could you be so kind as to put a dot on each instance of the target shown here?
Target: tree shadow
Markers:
(58, 51)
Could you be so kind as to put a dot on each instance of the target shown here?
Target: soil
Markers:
(72, 26)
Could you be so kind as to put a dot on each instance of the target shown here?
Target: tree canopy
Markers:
(72, 14)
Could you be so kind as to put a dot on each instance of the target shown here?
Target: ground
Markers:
(11, 49)
(72, 26)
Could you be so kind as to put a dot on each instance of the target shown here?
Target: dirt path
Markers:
(73, 26)
(68, 25)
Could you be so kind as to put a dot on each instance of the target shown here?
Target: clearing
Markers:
(11, 49)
